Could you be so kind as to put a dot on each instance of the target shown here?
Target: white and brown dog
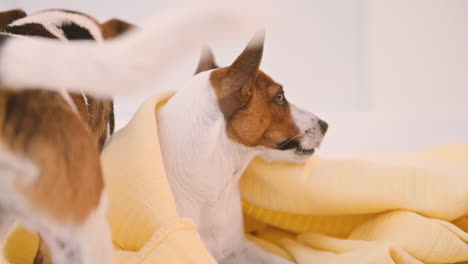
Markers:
(210, 131)
(50, 176)
(61, 134)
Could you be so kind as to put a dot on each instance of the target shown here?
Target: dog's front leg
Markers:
(251, 253)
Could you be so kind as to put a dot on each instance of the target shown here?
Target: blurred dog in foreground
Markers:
(51, 180)
(61, 133)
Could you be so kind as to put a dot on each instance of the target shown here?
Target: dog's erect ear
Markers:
(243, 72)
(9, 16)
(207, 61)
(115, 27)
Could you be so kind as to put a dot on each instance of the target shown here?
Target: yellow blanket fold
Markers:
(399, 209)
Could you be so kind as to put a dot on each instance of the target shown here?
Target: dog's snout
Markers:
(323, 126)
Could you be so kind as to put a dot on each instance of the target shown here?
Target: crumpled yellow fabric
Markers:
(146, 227)
(395, 209)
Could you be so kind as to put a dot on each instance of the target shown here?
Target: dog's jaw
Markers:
(301, 148)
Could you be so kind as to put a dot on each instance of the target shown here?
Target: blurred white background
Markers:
(387, 75)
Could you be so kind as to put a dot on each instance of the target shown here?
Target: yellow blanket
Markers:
(373, 210)
(394, 209)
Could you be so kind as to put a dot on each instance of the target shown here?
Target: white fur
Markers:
(108, 135)
(204, 167)
(193, 140)
(122, 65)
(308, 126)
(14, 170)
(14, 167)
(88, 242)
(94, 235)
(66, 96)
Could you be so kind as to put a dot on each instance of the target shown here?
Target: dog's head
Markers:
(256, 110)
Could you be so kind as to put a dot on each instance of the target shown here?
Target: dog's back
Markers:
(59, 135)
(69, 25)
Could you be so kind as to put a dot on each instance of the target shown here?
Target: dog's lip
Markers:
(289, 144)
(296, 146)
(305, 152)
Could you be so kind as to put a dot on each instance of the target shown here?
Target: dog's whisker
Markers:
(291, 139)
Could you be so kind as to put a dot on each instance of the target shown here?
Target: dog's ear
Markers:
(115, 27)
(207, 61)
(9, 16)
(243, 72)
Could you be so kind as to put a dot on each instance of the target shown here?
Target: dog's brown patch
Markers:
(248, 99)
(41, 127)
(9, 16)
(253, 118)
(115, 27)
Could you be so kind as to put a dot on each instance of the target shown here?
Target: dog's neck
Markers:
(199, 158)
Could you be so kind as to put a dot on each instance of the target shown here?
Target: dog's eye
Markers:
(279, 98)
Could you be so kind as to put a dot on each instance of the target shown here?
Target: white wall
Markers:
(418, 54)
(387, 74)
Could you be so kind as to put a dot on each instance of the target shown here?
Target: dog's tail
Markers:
(119, 66)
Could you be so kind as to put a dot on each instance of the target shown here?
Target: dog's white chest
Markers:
(220, 224)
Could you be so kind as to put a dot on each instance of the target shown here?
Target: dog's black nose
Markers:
(323, 126)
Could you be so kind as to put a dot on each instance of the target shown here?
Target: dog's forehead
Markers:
(266, 82)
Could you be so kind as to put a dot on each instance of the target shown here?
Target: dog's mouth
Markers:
(296, 145)
(304, 152)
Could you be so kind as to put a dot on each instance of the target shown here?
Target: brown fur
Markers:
(9, 16)
(246, 96)
(42, 127)
(115, 27)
